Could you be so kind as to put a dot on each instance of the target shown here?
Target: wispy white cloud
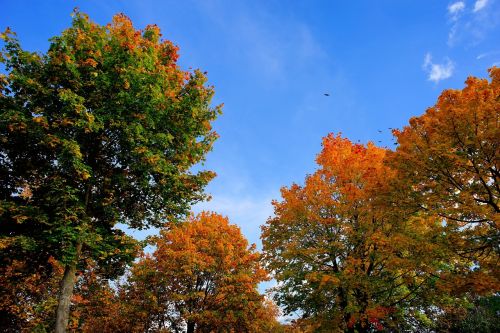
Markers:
(455, 9)
(235, 195)
(482, 55)
(452, 35)
(479, 4)
(249, 212)
(437, 72)
(487, 54)
(471, 27)
(270, 47)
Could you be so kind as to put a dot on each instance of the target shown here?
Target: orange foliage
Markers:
(203, 275)
(28, 298)
(345, 254)
(448, 162)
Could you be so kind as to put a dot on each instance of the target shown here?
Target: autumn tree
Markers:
(28, 297)
(100, 305)
(202, 277)
(448, 162)
(346, 258)
(100, 130)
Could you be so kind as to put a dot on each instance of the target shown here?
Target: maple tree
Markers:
(344, 254)
(202, 277)
(129, 308)
(448, 163)
(101, 306)
(100, 130)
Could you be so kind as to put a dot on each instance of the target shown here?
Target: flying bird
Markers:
(326, 94)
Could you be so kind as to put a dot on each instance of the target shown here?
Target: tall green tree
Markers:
(102, 129)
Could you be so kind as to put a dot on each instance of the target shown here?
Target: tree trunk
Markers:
(65, 294)
(190, 327)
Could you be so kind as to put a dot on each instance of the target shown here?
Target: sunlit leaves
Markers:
(104, 129)
(203, 275)
(343, 254)
(448, 161)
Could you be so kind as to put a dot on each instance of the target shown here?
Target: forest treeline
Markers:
(102, 131)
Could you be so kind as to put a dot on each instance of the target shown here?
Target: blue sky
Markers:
(271, 62)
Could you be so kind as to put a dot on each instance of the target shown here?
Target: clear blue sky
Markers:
(271, 62)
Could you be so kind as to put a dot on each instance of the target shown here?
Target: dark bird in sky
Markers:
(326, 94)
(379, 131)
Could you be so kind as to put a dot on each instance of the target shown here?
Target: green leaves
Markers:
(104, 128)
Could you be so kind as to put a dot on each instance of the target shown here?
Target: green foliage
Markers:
(102, 129)
(482, 316)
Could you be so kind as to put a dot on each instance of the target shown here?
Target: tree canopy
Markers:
(448, 162)
(343, 255)
(100, 130)
(202, 277)
(105, 130)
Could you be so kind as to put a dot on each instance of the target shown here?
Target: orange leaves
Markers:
(90, 62)
(205, 268)
(448, 161)
(357, 170)
(28, 298)
(324, 280)
(340, 243)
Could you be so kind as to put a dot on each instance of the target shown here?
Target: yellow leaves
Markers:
(140, 150)
(328, 279)
(66, 122)
(17, 127)
(20, 218)
(42, 121)
(84, 175)
(152, 159)
(6, 33)
(140, 116)
(6, 242)
(26, 193)
(73, 148)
